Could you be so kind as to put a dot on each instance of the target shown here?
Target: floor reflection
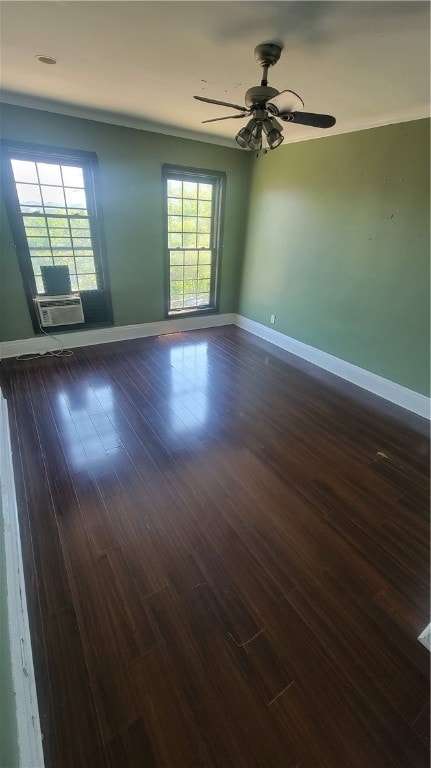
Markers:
(188, 400)
(86, 423)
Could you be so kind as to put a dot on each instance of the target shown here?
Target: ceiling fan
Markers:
(265, 104)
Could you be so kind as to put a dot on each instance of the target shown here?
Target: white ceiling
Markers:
(139, 63)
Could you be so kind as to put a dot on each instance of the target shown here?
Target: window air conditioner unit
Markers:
(59, 310)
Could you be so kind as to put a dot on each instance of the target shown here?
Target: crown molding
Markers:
(132, 121)
(111, 118)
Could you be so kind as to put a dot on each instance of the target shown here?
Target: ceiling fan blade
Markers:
(221, 103)
(228, 117)
(308, 118)
(285, 101)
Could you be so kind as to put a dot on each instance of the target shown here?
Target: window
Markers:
(51, 201)
(194, 200)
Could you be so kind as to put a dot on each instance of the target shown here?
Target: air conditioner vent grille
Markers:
(59, 310)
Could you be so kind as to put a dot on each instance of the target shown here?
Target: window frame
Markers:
(218, 179)
(88, 161)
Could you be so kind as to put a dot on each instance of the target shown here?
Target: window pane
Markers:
(177, 273)
(175, 188)
(190, 273)
(38, 242)
(75, 198)
(53, 209)
(73, 282)
(190, 208)
(175, 206)
(204, 271)
(84, 264)
(190, 189)
(177, 257)
(62, 255)
(58, 232)
(49, 174)
(189, 300)
(204, 257)
(81, 242)
(190, 287)
(203, 241)
(57, 222)
(177, 287)
(204, 208)
(175, 240)
(203, 299)
(65, 261)
(53, 196)
(39, 284)
(205, 191)
(32, 208)
(203, 286)
(39, 262)
(189, 240)
(29, 194)
(34, 221)
(204, 225)
(191, 257)
(87, 282)
(61, 242)
(75, 211)
(41, 253)
(80, 232)
(23, 170)
(175, 224)
(36, 231)
(80, 223)
(189, 224)
(72, 177)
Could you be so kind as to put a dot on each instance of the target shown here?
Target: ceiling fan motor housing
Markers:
(259, 95)
(267, 54)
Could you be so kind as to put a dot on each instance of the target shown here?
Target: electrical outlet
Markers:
(273, 319)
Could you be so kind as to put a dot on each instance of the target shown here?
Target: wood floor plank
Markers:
(226, 555)
(132, 748)
(205, 666)
(52, 575)
(77, 734)
(238, 620)
(175, 739)
(336, 692)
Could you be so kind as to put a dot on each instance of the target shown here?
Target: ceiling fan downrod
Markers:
(267, 54)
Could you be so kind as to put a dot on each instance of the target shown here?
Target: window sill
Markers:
(190, 312)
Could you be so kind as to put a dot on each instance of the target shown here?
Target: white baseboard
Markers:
(27, 713)
(389, 390)
(372, 382)
(113, 333)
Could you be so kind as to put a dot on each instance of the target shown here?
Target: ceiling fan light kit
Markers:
(264, 103)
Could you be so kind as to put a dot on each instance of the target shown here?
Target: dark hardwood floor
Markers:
(226, 557)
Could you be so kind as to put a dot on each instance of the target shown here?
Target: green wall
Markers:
(336, 234)
(338, 248)
(131, 194)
